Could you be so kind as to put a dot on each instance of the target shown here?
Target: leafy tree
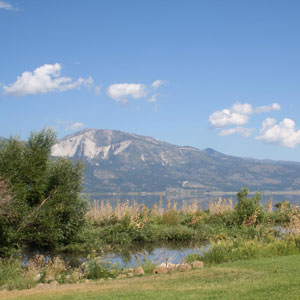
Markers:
(45, 206)
(248, 209)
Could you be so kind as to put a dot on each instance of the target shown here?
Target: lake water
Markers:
(183, 199)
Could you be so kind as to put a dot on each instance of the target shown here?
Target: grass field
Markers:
(266, 278)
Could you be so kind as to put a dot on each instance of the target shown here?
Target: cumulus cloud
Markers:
(243, 131)
(238, 114)
(43, 80)
(240, 108)
(121, 91)
(267, 108)
(283, 134)
(158, 83)
(6, 5)
(74, 126)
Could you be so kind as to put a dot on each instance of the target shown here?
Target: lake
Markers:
(188, 198)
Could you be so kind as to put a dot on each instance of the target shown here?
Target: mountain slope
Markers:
(124, 162)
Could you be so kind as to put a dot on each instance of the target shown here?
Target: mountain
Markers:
(117, 161)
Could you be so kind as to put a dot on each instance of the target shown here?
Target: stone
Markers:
(161, 270)
(109, 278)
(184, 267)
(130, 270)
(171, 267)
(163, 265)
(197, 264)
(121, 276)
(53, 283)
(130, 274)
(139, 271)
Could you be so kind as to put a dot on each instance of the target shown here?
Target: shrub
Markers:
(44, 208)
(248, 209)
(171, 217)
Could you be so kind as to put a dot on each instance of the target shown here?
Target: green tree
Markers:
(248, 207)
(46, 208)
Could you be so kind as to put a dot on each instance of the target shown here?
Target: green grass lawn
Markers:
(267, 278)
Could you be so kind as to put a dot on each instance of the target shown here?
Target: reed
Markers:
(220, 206)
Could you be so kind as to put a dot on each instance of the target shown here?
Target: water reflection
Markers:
(156, 253)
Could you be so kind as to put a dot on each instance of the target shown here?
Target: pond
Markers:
(157, 254)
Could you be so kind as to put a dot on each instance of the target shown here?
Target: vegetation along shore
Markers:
(42, 208)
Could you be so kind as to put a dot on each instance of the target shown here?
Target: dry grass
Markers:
(293, 227)
(221, 206)
(103, 211)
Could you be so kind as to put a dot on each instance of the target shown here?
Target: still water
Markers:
(184, 199)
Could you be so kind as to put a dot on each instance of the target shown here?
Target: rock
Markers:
(53, 283)
(130, 274)
(40, 285)
(86, 281)
(139, 271)
(184, 267)
(161, 270)
(130, 270)
(197, 264)
(121, 276)
(163, 265)
(109, 278)
(171, 267)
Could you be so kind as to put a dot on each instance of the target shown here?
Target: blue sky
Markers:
(220, 74)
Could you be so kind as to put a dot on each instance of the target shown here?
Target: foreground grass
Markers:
(266, 278)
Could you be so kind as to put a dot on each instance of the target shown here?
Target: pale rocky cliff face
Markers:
(86, 144)
(117, 161)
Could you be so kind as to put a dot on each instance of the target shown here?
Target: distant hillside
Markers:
(124, 162)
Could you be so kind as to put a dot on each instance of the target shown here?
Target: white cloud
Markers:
(43, 80)
(158, 83)
(283, 134)
(244, 109)
(238, 114)
(267, 108)
(243, 131)
(121, 91)
(6, 6)
(74, 126)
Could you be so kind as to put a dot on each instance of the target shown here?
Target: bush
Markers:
(171, 217)
(44, 208)
(248, 210)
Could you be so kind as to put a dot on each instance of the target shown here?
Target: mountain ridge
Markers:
(118, 161)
